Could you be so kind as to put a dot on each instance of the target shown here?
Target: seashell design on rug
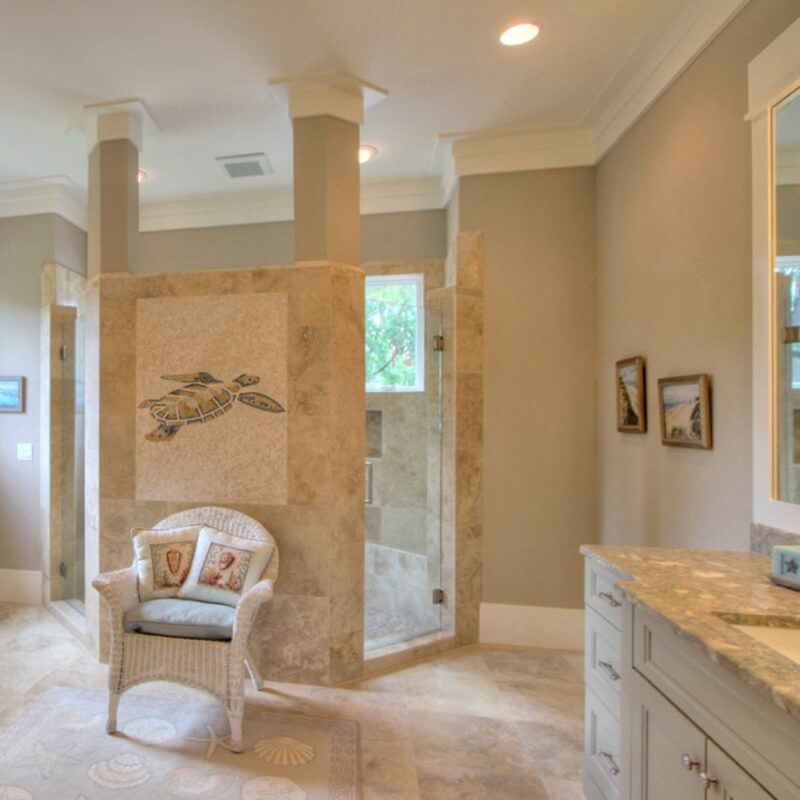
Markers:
(194, 783)
(76, 720)
(14, 793)
(151, 730)
(284, 751)
(122, 771)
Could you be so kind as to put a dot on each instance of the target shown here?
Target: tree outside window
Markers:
(394, 333)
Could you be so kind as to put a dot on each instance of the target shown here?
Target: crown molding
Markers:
(338, 94)
(248, 208)
(485, 152)
(677, 48)
(456, 154)
(56, 194)
(60, 195)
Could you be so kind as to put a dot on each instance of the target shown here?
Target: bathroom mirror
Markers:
(786, 297)
(773, 79)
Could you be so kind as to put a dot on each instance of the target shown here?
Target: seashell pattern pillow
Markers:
(163, 560)
(224, 567)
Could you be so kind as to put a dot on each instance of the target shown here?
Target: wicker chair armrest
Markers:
(248, 607)
(120, 590)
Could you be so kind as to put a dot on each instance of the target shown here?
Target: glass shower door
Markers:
(403, 500)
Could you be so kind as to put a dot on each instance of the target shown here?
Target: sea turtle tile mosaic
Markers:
(193, 441)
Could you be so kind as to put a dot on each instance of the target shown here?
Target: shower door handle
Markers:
(368, 483)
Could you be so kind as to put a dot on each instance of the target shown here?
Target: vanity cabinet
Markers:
(664, 721)
(605, 684)
(672, 758)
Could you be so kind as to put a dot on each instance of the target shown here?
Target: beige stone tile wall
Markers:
(461, 307)
(313, 630)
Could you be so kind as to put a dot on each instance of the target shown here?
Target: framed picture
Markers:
(12, 395)
(631, 399)
(685, 408)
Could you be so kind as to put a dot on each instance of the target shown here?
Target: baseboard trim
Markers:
(21, 586)
(532, 626)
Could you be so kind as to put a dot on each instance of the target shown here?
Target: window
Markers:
(395, 333)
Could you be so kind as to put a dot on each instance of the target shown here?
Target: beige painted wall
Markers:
(25, 243)
(673, 208)
(539, 470)
(407, 236)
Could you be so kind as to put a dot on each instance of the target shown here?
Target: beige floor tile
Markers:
(477, 722)
(563, 790)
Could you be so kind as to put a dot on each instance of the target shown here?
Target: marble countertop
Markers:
(689, 589)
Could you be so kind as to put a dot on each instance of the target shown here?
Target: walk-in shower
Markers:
(403, 484)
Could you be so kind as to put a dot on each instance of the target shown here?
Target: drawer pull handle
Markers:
(707, 780)
(610, 599)
(609, 668)
(611, 765)
(689, 763)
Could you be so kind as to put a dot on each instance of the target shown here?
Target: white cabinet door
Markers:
(728, 781)
(668, 751)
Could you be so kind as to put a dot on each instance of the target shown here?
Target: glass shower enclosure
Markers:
(403, 479)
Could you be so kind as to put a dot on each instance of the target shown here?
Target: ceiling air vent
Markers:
(246, 165)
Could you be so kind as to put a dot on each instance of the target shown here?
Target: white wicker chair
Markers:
(215, 666)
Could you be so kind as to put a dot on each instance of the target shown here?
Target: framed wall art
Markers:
(685, 409)
(12, 395)
(631, 396)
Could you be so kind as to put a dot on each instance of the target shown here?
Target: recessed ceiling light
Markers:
(366, 153)
(522, 33)
(141, 176)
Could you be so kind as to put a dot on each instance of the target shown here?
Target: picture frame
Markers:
(12, 394)
(631, 395)
(684, 404)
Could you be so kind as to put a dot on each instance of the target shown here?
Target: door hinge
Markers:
(438, 343)
(62, 570)
(62, 352)
(438, 597)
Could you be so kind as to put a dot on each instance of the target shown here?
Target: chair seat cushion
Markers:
(185, 619)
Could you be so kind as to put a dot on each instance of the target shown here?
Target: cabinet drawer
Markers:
(601, 593)
(747, 725)
(603, 757)
(731, 781)
(603, 659)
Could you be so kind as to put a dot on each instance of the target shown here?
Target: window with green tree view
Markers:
(394, 335)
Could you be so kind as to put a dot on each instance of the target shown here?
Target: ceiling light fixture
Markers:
(522, 33)
(366, 153)
(141, 176)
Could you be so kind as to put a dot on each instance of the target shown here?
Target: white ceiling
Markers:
(202, 68)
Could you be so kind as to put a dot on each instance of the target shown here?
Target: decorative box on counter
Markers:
(786, 566)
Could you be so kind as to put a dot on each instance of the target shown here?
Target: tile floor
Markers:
(478, 722)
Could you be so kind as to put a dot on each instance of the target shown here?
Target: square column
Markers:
(326, 190)
(327, 110)
(114, 138)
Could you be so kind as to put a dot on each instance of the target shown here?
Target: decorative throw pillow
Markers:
(224, 567)
(163, 560)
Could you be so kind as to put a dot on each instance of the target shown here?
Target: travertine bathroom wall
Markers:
(311, 500)
(461, 307)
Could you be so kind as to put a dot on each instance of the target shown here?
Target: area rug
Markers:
(58, 750)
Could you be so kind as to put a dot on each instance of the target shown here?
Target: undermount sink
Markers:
(781, 635)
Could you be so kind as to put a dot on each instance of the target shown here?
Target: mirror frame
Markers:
(772, 76)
